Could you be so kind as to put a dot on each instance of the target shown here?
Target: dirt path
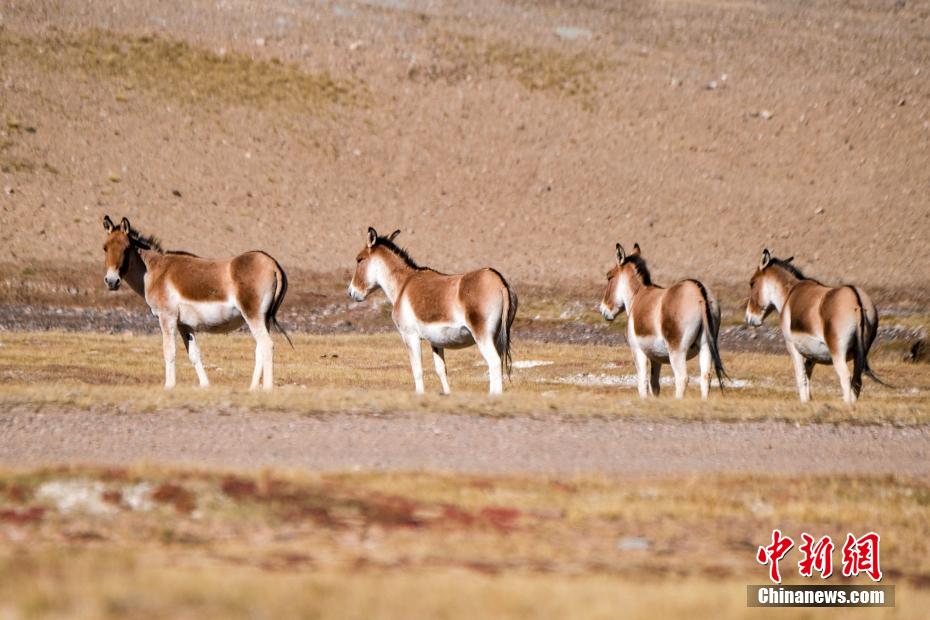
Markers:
(458, 443)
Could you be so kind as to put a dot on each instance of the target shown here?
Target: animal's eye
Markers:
(358, 259)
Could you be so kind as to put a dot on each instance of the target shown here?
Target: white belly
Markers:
(812, 347)
(445, 335)
(209, 315)
(654, 347)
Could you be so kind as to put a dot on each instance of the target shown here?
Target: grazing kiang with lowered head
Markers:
(821, 324)
(448, 311)
(190, 294)
(664, 326)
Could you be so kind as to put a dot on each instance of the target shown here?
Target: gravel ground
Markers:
(457, 443)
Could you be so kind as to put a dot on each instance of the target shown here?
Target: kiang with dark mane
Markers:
(448, 311)
(821, 324)
(664, 326)
(189, 294)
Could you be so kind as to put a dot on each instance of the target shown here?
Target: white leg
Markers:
(706, 363)
(257, 373)
(168, 333)
(416, 359)
(264, 355)
(808, 371)
(495, 366)
(679, 362)
(642, 363)
(193, 352)
(800, 372)
(267, 361)
(842, 371)
(439, 360)
(655, 375)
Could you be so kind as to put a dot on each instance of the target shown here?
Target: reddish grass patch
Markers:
(15, 492)
(112, 496)
(19, 517)
(182, 499)
(500, 518)
(239, 488)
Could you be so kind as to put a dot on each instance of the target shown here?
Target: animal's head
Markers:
(619, 277)
(116, 251)
(369, 265)
(763, 288)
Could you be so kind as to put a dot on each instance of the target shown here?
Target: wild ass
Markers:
(821, 324)
(664, 326)
(190, 294)
(448, 311)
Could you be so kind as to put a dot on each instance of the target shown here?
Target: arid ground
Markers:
(529, 136)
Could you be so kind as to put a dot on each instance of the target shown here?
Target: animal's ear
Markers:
(108, 224)
(635, 249)
(393, 234)
(766, 259)
(621, 255)
(124, 225)
(372, 236)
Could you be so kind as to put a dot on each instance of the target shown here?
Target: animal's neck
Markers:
(630, 290)
(136, 270)
(781, 284)
(394, 273)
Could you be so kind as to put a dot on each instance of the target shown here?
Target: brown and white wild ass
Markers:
(448, 311)
(190, 294)
(664, 326)
(821, 324)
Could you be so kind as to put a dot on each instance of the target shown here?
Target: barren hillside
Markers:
(527, 135)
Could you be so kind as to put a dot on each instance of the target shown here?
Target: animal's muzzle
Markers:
(355, 294)
(112, 282)
(753, 320)
(607, 313)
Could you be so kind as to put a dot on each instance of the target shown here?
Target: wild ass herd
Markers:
(189, 294)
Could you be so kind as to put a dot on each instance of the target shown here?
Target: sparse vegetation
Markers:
(180, 70)
(415, 544)
(536, 68)
(323, 374)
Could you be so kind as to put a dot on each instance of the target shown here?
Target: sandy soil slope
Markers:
(527, 135)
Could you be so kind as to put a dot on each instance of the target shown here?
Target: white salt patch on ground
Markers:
(531, 363)
(138, 496)
(572, 33)
(588, 378)
(75, 496)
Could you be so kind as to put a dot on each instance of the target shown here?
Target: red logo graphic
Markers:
(772, 554)
(817, 557)
(861, 556)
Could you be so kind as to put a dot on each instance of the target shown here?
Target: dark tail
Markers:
(864, 339)
(502, 340)
(711, 331)
(271, 319)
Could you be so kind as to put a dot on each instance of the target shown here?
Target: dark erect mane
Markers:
(789, 267)
(151, 242)
(399, 251)
(640, 266)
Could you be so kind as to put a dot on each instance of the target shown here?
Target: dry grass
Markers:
(179, 70)
(165, 543)
(324, 374)
(462, 57)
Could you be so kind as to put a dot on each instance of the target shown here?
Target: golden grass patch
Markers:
(361, 374)
(388, 545)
